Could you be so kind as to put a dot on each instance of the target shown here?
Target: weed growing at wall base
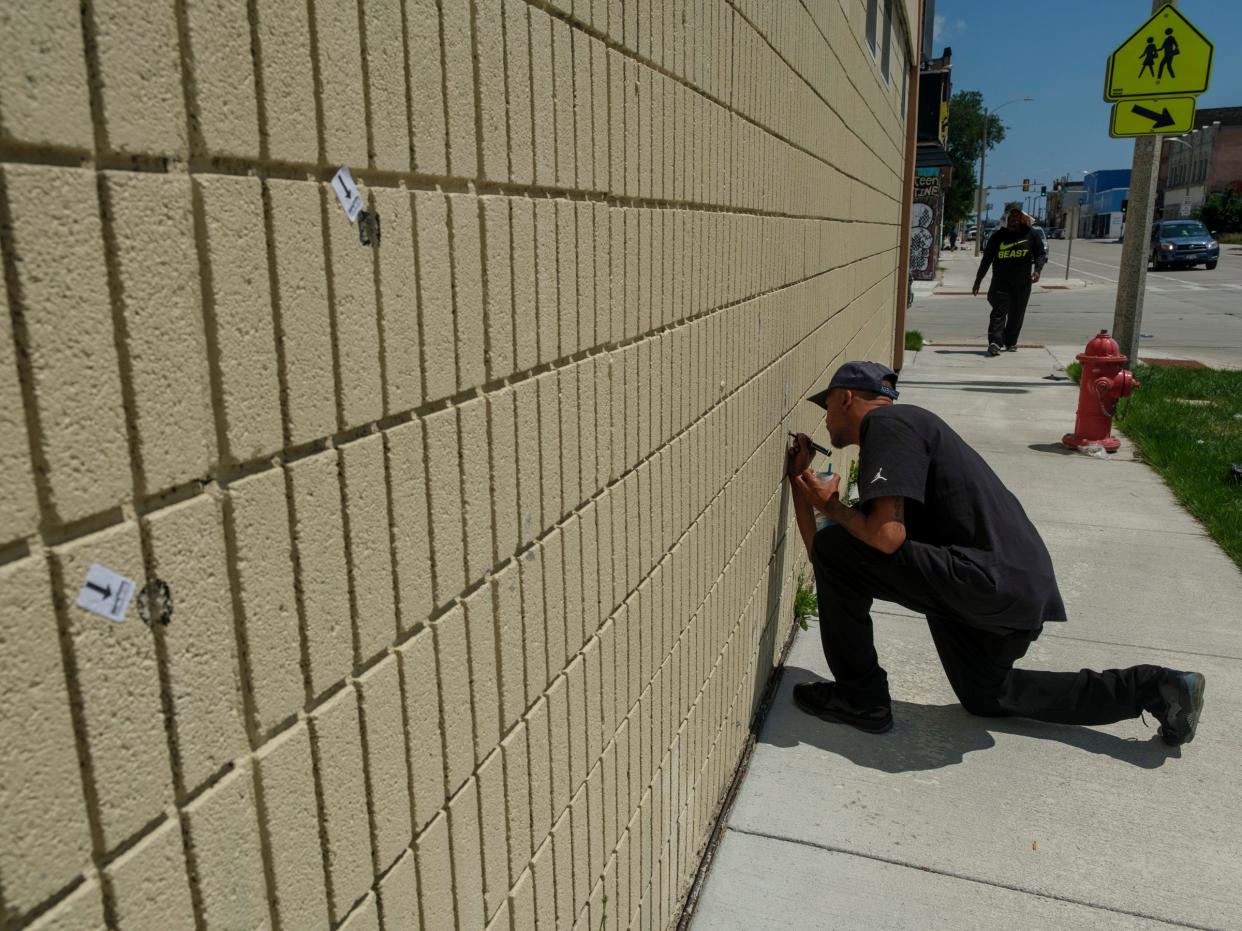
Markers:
(805, 603)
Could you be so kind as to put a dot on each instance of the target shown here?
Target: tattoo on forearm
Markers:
(844, 515)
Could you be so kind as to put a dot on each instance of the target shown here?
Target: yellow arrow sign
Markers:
(1152, 116)
(1166, 56)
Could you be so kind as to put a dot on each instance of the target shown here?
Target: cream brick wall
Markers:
(477, 542)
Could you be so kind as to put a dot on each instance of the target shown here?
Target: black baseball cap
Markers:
(860, 376)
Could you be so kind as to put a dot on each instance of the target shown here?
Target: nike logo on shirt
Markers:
(879, 477)
(1010, 245)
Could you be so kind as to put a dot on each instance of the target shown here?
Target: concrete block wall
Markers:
(476, 541)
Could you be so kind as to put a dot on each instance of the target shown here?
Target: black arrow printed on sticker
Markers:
(155, 603)
(1159, 120)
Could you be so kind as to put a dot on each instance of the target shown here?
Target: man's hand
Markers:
(798, 456)
(816, 491)
(1034, 277)
(974, 292)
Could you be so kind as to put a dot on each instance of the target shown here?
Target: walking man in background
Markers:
(937, 532)
(1016, 255)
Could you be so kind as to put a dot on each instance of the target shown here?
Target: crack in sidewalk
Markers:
(973, 879)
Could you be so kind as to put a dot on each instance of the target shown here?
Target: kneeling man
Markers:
(936, 531)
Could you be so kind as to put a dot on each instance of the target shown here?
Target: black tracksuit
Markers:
(974, 564)
(1011, 254)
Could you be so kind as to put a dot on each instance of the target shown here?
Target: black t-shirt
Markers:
(954, 500)
(1012, 254)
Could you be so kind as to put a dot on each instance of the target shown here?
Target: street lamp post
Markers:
(983, 155)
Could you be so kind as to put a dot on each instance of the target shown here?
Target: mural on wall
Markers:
(925, 225)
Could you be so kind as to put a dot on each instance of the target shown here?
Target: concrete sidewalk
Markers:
(953, 821)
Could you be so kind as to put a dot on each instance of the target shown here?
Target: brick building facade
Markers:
(474, 541)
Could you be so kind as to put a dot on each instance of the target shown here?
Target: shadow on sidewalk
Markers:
(926, 737)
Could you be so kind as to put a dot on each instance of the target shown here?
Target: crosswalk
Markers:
(1156, 283)
(1222, 286)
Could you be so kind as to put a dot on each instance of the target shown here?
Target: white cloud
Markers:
(938, 24)
(959, 24)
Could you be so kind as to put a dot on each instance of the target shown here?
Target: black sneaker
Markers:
(994, 349)
(1011, 349)
(1181, 702)
(820, 699)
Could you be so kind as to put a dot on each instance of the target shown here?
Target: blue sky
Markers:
(1055, 51)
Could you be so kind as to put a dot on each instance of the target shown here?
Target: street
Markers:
(1189, 313)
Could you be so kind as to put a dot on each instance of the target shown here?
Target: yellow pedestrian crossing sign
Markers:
(1152, 116)
(1166, 56)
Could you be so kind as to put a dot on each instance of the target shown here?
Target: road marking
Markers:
(1115, 268)
(1083, 271)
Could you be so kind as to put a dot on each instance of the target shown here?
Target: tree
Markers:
(965, 145)
(1222, 212)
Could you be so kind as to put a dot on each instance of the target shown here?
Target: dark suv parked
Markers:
(1182, 242)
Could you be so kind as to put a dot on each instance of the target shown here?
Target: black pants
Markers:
(1008, 311)
(977, 660)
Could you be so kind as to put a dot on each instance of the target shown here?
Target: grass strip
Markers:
(1187, 423)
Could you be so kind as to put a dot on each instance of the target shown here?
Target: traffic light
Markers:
(1124, 205)
(1026, 185)
(1043, 189)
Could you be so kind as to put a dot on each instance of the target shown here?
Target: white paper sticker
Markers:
(106, 593)
(347, 193)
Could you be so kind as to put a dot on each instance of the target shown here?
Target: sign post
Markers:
(1151, 78)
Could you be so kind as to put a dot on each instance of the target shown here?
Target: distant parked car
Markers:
(1182, 242)
(1043, 236)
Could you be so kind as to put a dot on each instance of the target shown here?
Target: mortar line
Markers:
(23, 352)
(409, 769)
(320, 807)
(189, 82)
(228, 516)
(351, 567)
(444, 94)
(368, 781)
(312, 40)
(334, 327)
(229, 166)
(265, 843)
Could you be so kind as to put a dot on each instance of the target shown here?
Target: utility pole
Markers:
(982, 194)
(1132, 276)
(983, 160)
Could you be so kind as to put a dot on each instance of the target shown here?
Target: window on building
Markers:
(887, 27)
(873, 10)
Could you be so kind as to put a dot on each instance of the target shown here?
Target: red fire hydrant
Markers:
(1100, 385)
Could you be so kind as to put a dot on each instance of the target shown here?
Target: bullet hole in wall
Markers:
(155, 603)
